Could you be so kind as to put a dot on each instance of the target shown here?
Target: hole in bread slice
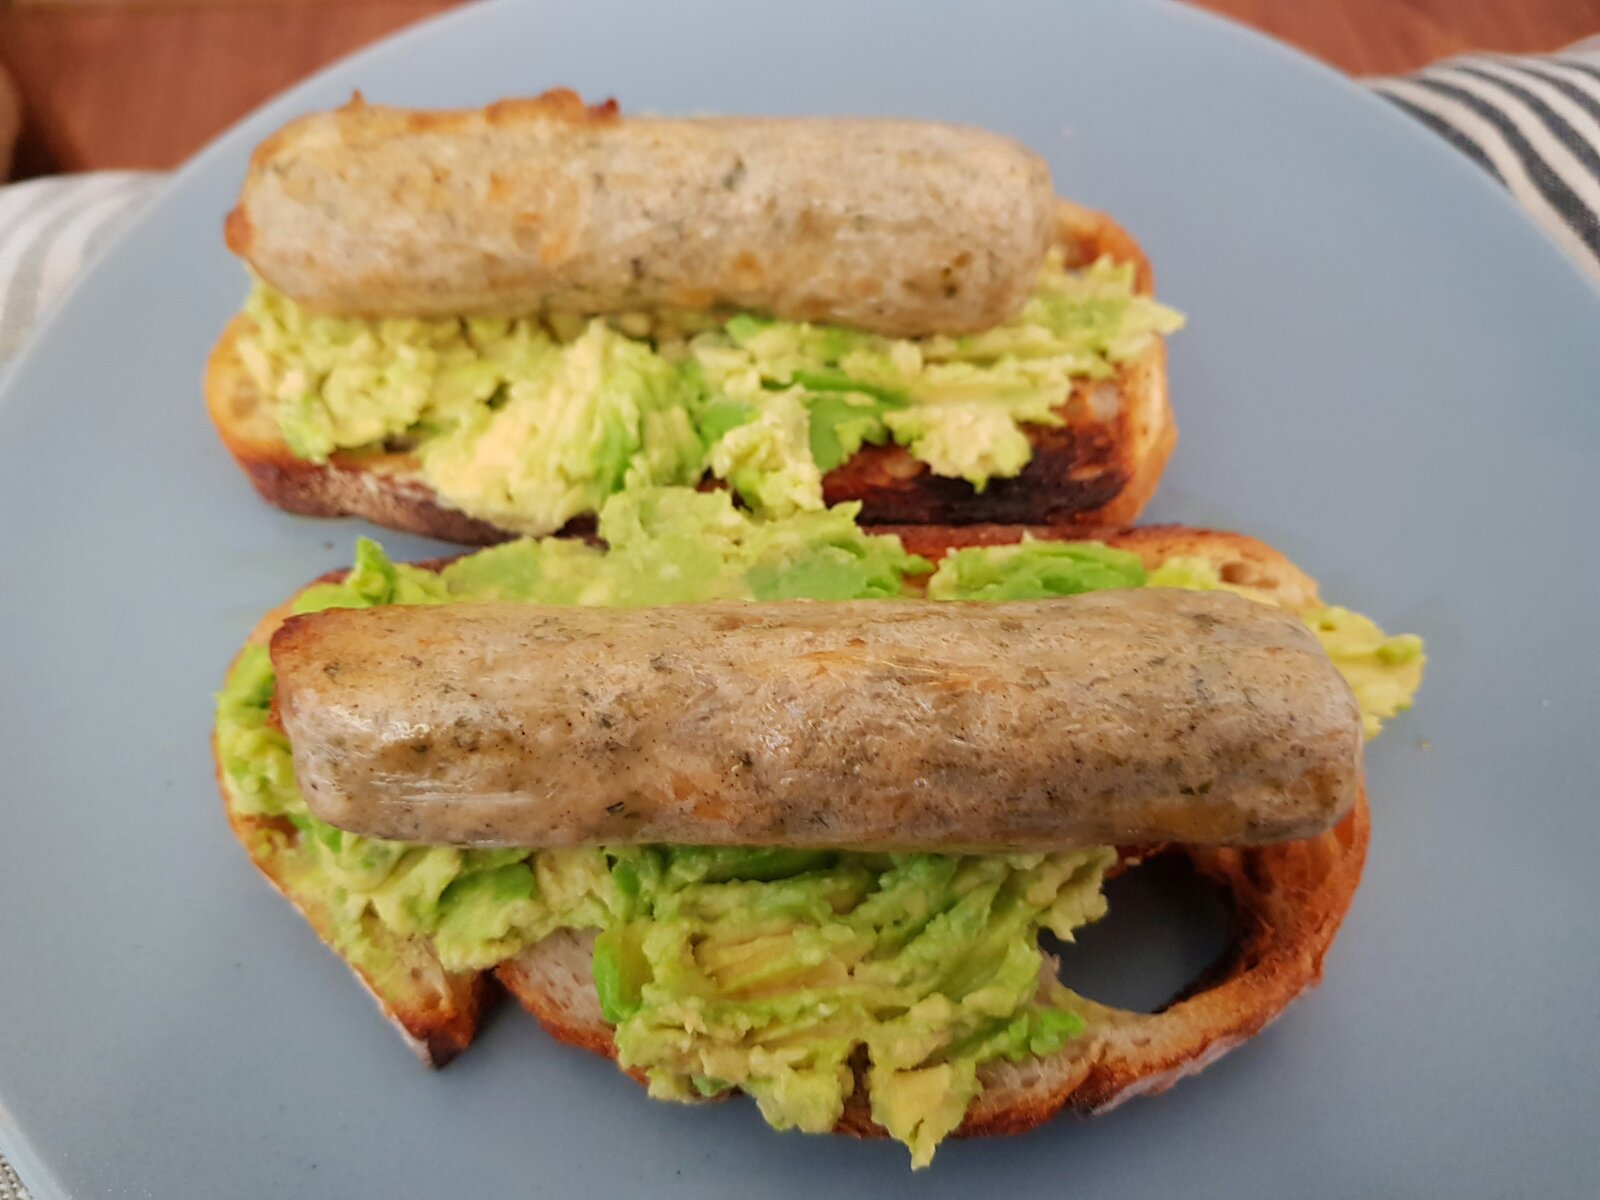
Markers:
(1167, 927)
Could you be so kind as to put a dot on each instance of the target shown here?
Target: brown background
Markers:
(144, 83)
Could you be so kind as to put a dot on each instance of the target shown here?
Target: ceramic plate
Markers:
(1388, 373)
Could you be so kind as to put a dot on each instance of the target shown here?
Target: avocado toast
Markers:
(952, 1020)
(767, 367)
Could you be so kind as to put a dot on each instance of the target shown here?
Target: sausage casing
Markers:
(1128, 717)
(900, 227)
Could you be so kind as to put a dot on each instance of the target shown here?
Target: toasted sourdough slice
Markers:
(1289, 900)
(1097, 470)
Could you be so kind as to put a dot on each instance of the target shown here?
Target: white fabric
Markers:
(49, 230)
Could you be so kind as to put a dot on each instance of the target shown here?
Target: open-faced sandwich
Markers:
(486, 323)
(800, 832)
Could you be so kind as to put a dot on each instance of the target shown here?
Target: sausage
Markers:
(900, 227)
(1129, 717)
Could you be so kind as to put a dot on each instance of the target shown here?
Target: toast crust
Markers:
(1240, 559)
(1289, 900)
(1087, 473)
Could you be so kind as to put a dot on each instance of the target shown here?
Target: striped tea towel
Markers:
(1531, 121)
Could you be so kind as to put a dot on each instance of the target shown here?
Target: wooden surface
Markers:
(114, 85)
(1383, 37)
(145, 83)
(10, 120)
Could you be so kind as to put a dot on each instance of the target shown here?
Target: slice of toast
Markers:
(1289, 900)
(1097, 470)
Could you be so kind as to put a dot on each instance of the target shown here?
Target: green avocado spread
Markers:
(770, 970)
(529, 423)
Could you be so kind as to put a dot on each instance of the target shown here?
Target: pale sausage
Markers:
(900, 227)
(1141, 716)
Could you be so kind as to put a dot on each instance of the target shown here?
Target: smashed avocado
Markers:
(529, 423)
(725, 968)
(769, 970)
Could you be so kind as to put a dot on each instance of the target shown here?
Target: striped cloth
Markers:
(1531, 121)
(50, 228)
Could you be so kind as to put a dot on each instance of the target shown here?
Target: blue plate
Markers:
(1389, 374)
